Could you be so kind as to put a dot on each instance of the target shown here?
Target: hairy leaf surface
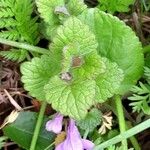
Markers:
(92, 66)
(76, 35)
(37, 73)
(47, 10)
(76, 7)
(72, 99)
(118, 43)
(108, 83)
(91, 121)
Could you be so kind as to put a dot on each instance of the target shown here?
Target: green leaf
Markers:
(115, 5)
(147, 58)
(146, 108)
(37, 73)
(76, 7)
(17, 22)
(118, 43)
(108, 83)
(15, 54)
(147, 74)
(47, 10)
(76, 34)
(71, 99)
(91, 121)
(141, 98)
(27, 26)
(92, 66)
(11, 34)
(21, 131)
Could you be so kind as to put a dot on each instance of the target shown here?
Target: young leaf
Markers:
(92, 66)
(37, 73)
(71, 99)
(21, 131)
(76, 34)
(108, 83)
(112, 6)
(76, 7)
(118, 43)
(91, 121)
(47, 10)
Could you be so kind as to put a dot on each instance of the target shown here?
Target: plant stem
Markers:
(24, 46)
(86, 133)
(121, 119)
(135, 130)
(38, 126)
(47, 148)
(133, 140)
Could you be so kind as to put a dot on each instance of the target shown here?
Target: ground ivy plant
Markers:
(89, 62)
(92, 56)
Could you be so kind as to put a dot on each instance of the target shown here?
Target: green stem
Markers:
(24, 46)
(86, 133)
(133, 139)
(121, 119)
(47, 148)
(38, 126)
(135, 130)
(128, 125)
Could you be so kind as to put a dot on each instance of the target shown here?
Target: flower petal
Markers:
(87, 145)
(60, 147)
(73, 140)
(55, 125)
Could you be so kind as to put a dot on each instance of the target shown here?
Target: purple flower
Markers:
(74, 140)
(55, 125)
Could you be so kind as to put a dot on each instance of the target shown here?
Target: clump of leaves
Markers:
(75, 95)
(112, 6)
(18, 24)
(141, 98)
(85, 67)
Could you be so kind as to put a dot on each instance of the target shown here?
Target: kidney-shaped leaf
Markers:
(37, 73)
(118, 43)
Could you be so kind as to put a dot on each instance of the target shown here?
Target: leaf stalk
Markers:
(38, 126)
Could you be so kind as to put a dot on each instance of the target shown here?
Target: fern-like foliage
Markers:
(147, 74)
(18, 24)
(15, 54)
(141, 98)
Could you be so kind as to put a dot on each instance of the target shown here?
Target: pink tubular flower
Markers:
(74, 140)
(55, 125)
